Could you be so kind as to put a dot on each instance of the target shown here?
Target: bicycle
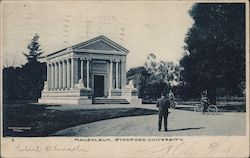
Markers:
(211, 109)
(173, 104)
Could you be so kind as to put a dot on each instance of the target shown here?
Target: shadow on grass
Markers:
(184, 129)
(32, 120)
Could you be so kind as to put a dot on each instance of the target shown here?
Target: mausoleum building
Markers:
(90, 72)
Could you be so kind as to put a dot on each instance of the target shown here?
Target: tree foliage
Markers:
(25, 82)
(35, 51)
(215, 50)
(155, 77)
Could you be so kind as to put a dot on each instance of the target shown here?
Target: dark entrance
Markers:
(98, 86)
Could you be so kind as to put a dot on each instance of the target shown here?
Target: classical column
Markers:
(88, 73)
(119, 75)
(116, 75)
(52, 77)
(110, 77)
(56, 75)
(82, 70)
(48, 75)
(72, 73)
(64, 74)
(68, 74)
(123, 73)
(60, 75)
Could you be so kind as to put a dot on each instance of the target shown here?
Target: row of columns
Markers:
(60, 74)
(57, 75)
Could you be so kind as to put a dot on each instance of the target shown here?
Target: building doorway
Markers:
(98, 86)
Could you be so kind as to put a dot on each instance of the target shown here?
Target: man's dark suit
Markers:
(163, 104)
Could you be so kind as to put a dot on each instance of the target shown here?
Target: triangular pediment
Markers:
(100, 43)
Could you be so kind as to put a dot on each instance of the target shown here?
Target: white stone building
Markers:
(90, 72)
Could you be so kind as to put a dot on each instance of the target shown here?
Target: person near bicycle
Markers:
(204, 101)
(171, 97)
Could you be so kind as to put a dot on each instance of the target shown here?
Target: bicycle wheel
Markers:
(198, 108)
(173, 105)
(212, 109)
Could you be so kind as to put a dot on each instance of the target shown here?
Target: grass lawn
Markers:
(36, 120)
(236, 106)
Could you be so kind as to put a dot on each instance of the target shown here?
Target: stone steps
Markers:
(109, 101)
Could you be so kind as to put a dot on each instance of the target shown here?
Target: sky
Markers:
(141, 27)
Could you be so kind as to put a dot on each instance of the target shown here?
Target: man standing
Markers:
(171, 96)
(163, 104)
(204, 101)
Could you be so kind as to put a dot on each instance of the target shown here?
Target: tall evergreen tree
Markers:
(34, 50)
(25, 83)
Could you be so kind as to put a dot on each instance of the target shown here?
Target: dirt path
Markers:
(180, 123)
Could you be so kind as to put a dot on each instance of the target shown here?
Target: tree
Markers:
(25, 82)
(140, 76)
(34, 50)
(155, 77)
(215, 47)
